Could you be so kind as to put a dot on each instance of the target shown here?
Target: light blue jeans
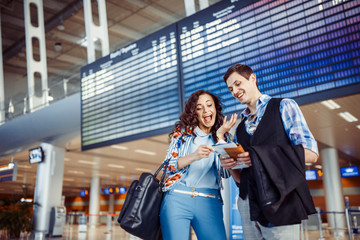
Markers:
(179, 211)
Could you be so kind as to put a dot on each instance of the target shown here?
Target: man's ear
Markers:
(253, 77)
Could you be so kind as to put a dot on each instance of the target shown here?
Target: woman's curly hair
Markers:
(189, 120)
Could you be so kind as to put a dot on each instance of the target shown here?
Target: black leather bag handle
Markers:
(166, 164)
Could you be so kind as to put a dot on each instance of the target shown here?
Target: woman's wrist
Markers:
(220, 136)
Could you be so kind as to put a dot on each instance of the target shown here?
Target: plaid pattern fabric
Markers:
(293, 120)
(255, 231)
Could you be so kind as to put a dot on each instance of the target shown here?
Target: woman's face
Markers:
(206, 112)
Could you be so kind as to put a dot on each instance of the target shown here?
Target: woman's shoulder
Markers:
(182, 132)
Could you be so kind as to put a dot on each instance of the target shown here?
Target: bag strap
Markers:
(166, 164)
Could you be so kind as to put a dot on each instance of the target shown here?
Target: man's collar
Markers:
(261, 101)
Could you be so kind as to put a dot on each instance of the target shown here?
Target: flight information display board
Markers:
(132, 91)
(296, 48)
(305, 50)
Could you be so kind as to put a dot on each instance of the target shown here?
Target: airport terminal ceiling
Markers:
(128, 21)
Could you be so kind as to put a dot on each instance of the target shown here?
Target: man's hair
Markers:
(242, 69)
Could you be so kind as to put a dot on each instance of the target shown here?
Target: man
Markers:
(272, 131)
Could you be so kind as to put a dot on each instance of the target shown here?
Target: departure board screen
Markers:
(298, 49)
(305, 50)
(131, 92)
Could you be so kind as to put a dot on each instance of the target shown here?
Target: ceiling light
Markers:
(308, 164)
(358, 126)
(318, 166)
(69, 179)
(86, 162)
(348, 116)
(142, 170)
(145, 152)
(119, 147)
(61, 26)
(23, 166)
(28, 200)
(57, 46)
(330, 104)
(115, 166)
(76, 172)
(102, 175)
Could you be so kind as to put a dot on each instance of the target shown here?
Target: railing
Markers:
(61, 86)
(351, 230)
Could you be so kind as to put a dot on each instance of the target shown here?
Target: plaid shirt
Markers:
(293, 120)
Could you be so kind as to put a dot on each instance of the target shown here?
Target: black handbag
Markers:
(140, 214)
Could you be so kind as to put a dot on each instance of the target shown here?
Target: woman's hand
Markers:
(203, 151)
(226, 126)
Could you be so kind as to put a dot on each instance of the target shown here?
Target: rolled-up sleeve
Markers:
(295, 125)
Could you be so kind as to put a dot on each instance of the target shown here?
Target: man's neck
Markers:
(252, 104)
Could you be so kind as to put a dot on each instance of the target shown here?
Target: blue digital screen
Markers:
(83, 193)
(132, 91)
(305, 50)
(120, 190)
(352, 171)
(311, 175)
(107, 191)
(297, 49)
(36, 155)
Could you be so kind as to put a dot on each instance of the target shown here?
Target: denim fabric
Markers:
(180, 211)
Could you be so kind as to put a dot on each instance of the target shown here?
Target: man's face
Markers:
(241, 88)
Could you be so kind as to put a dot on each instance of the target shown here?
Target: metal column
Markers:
(189, 7)
(94, 32)
(2, 87)
(334, 196)
(94, 202)
(203, 4)
(34, 66)
(48, 188)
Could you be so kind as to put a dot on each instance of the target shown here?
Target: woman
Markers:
(192, 190)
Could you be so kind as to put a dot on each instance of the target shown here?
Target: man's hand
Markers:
(244, 158)
(229, 163)
(226, 162)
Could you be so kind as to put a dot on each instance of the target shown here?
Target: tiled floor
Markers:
(114, 232)
(102, 232)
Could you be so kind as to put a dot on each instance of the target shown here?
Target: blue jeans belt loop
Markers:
(195, 193)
